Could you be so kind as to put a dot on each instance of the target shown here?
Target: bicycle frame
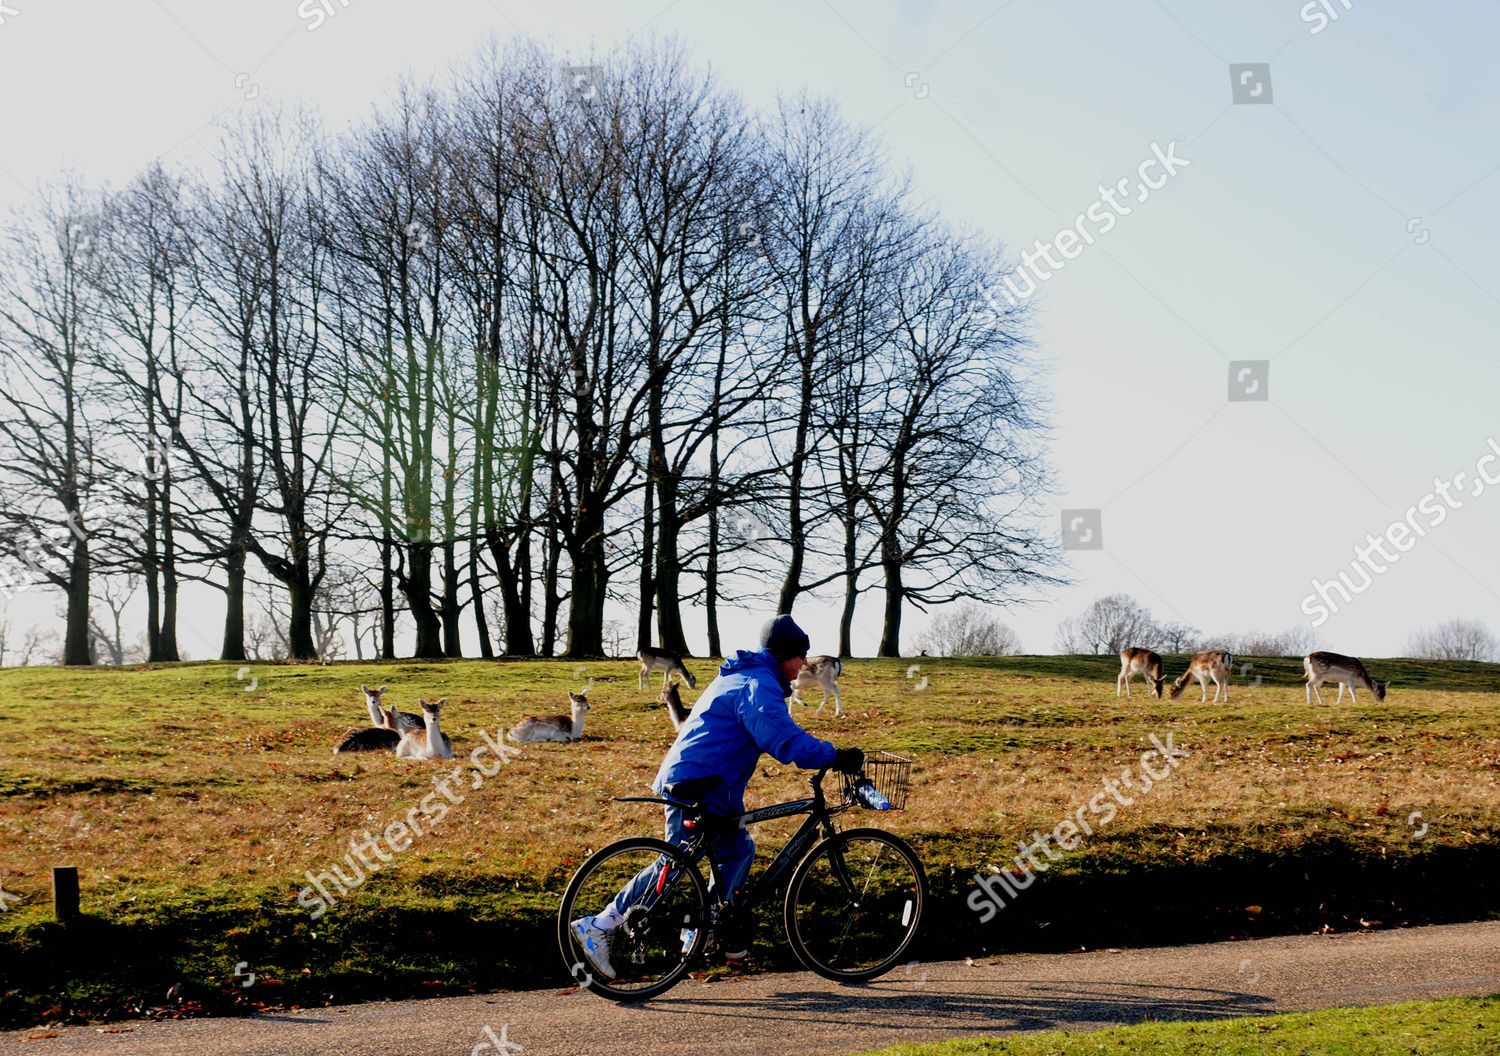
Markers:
(819, 824)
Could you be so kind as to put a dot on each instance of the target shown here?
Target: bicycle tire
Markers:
(567, 946)
(907, 892)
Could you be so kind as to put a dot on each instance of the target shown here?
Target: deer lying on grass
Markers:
(405, 720)
(820, 672)
(381, 738)
(534, 729)
(676, 711)
(1214, 664)
(1323, 667)
(427, 743)
(668, 664)
(1139, 662)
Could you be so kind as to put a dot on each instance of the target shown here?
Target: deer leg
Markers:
(838, 705)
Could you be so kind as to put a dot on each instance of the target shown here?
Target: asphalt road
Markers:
(802, 1013)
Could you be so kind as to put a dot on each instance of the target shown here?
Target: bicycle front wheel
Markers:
(854, 904)
(664, 920)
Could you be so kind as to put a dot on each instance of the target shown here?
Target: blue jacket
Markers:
(741, 714)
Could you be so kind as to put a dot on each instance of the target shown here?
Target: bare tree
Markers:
(1108, 625)
(1297, 640)
(48, 346)
(1455, 639)
(967, 629)
(107, 637)
(1177, 637)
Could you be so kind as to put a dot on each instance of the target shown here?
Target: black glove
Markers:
(848, 760)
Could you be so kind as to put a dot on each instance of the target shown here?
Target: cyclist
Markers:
(742, 714)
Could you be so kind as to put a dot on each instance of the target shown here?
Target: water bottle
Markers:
(870, 796)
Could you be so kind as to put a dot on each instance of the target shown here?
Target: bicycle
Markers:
(853, 904)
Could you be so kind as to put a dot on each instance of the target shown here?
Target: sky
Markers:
(1324, 251)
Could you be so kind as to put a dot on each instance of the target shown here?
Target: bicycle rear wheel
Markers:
(663, 928)
(854, 904)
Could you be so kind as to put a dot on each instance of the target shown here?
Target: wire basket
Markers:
(889, 773)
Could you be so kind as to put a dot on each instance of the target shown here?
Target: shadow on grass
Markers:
(372, 946)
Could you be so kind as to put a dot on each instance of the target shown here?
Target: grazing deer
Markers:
(676, 711)
(429, 742)
(1345, 670)
(381, 738)
(1214, 664)
(820, 672)
(668, 664)
(536, 728)
(1140, 662)
(405, 720)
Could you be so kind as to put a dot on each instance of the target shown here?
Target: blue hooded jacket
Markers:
(741, 714)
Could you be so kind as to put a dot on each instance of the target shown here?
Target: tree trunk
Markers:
(418, 590)
(387, 599)
(481, 623)
(648, 534)
(452, 611)
(851, 581)
(895, 596)
(589, 580)
(551, 603)
(668, 572)
(792, 585)
(299, 629)
(76, 645)
(167, 639)
(234, 601)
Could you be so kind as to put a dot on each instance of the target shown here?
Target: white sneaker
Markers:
(594, 942)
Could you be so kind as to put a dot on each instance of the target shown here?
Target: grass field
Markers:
(194, 798)
(1469, 1026)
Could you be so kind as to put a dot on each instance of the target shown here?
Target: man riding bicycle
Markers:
(742, 714)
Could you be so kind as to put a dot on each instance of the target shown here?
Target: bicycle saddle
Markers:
(692, 789)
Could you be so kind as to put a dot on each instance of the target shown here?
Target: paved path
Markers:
(804, 1014)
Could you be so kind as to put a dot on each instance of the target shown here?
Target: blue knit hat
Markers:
(783, 639)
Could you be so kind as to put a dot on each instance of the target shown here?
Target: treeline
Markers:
(523, 342)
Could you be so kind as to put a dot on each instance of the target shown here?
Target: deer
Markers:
(820, 672)
(383, 737)
(1139, 662)
(405, 720)
(1323, 667)
(429, 742)
(1214, 664)
(668, 664)
(676, 711)
(534, 729)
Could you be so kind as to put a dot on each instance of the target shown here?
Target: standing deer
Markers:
(1140, 662)
(820, 672)
(1214, 664)
(668, 664)
(536, 728)
(1323, 667)
(427, 743)
(675, 709)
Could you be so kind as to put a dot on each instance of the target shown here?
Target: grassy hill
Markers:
(195, 798)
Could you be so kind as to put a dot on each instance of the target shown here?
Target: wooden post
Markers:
(65, 893)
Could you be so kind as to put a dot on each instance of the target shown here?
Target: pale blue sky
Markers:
(1286, 239)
